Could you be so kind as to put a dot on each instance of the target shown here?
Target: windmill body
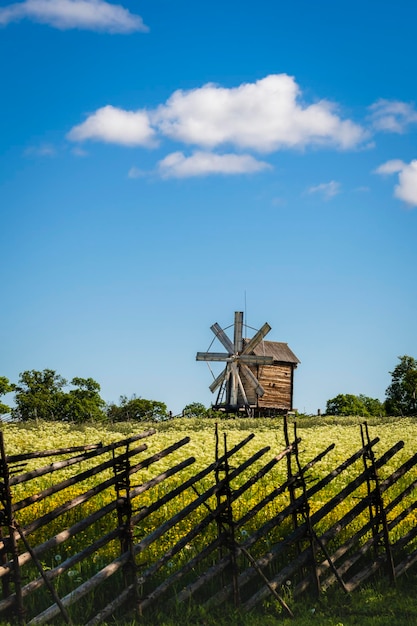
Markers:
(240, 386)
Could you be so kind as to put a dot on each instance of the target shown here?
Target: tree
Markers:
(374, 406)
(401, 393)
(137, 409)
(39, 395)
(195, 409)
(348, 404)
(84, 402)
(5, 387)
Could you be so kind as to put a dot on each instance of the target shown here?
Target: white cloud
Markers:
(95, 15)
(135, 172)
(328, 190)
(43, 150)
(113, 125)
(392, 115)
(407, 184)
(390, 167)
(265, 116)
(406, 189)
(177, 165)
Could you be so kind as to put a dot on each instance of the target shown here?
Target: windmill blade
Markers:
(222, 337)
(253, 359)
(257, 338)
(234, 384)
(242, 390)
(253, 381)
(238, 332)
(212, 356)
(218, 381)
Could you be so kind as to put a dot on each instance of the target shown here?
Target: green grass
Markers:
(375, 604)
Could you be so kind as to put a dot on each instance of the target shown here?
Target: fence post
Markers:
(377, 513)
(305, 512)
(121, 470)
(7, 519)
(292, 484)
(225, 522)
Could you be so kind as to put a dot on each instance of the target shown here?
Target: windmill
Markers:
(237, 382)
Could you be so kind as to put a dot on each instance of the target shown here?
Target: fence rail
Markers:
(296, 532)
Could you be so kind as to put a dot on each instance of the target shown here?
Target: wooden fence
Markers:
(128, 555)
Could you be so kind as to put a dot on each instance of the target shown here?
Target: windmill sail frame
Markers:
(242, 386)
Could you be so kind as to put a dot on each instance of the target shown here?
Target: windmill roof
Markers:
(278, 350)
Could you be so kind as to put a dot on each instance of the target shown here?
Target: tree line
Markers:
(45, 395)
(400, 396)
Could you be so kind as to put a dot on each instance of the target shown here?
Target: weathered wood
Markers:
(5, 581)
(108, 610)
(405, 565)
(238, 332)
(82, 525)
(9, 520)
(212, 356)
(225, 523)
(363, 550)
(257, 338)
(158, 532)
(369, 570)
(26, 456)
(271, 588)
(305, 512)
(302, 529)
(104, 485)
(335, 565)
(188, 591)
(67, 506)
(52, 467)
(163, 587)
(78, 478)
(217, 381)
(242, 390)
(254, 359)
(80, 591)
(223, 338)
(277, 381)
(402, 542)
(147, 510)
(357, 510)
(334, 530)
(113, 567)
(364, 574)
(292, 484)
(45, 579)
(296, 535)
(378, 503)
(194, 532)
(251, 378)
(247, 359)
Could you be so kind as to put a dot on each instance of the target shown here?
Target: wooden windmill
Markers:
(237, 377)
(258, 374)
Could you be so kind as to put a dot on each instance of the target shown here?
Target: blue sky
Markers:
(164, 164)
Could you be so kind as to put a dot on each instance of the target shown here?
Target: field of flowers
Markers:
(316, 434)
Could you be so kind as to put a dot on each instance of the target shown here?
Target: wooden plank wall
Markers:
(277, 382)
